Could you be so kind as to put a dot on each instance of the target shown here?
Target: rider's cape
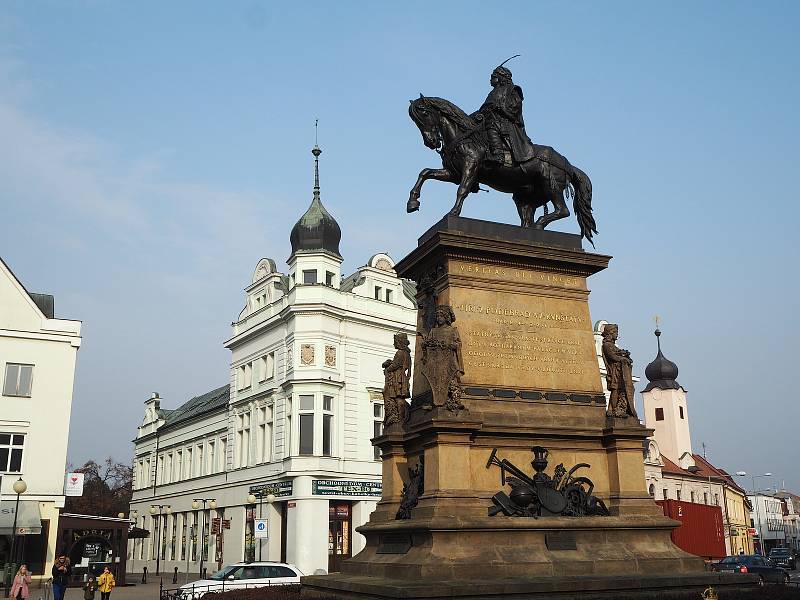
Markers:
(503, 106)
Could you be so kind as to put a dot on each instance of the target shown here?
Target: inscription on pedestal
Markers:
(560, 540)
(394, 543)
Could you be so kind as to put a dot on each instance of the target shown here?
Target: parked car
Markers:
(242, 575)
(767, 571)
(783, 557)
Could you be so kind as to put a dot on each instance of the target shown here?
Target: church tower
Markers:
(315, 257)
(665, 409)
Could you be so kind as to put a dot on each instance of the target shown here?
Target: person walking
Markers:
(106, 583)
(61, 574)
(19, 589)
(89, 588)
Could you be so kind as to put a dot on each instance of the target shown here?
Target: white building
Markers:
(37, 357)
(767, 518)
(293, 425)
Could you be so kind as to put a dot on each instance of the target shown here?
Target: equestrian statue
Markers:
(491, 147)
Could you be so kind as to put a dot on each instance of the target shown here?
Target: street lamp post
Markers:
(251, 499)
(19, 488)
(156, 509)
(212, 504)
(758, 513)
(134, 514)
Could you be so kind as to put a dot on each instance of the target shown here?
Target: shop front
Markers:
(93, 543)
(29, 545)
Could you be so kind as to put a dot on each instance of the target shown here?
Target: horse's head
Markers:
(426, 117)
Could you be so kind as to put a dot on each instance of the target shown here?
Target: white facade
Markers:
(295, 421)
(767, 516)
(37, 362)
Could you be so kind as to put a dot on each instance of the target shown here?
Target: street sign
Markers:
(226, 523)
(74, 484)
(262, 529)
(215, 526)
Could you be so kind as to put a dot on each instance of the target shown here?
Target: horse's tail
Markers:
(582, 203)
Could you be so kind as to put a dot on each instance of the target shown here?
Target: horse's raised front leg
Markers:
(469, 178)
(424, 175)
(560, 210)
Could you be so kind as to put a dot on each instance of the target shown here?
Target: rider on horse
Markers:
(502, 112)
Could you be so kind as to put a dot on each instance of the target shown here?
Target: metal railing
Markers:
(195, 592)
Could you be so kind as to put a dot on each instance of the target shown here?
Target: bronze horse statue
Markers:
(460, 139)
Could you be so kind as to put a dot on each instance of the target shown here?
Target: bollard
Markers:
(203, 574)
(144, 574)
(175, 576)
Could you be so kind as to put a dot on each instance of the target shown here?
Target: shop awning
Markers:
(29, 519)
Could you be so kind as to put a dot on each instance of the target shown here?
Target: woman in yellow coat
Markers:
(105, 584)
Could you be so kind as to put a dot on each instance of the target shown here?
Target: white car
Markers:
(243, 575)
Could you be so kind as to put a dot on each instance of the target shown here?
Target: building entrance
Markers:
(339, 534)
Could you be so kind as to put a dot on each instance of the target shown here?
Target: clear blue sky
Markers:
(152, 152)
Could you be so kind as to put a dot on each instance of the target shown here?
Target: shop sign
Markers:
(276, 488)
(337, 487)
(215, 526)
(74, 484)
(751, 531)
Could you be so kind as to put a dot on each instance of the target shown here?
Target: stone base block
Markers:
(577, 587)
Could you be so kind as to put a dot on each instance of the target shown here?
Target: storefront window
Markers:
(249, 533)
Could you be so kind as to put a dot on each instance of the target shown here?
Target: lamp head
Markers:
(20, 486)
(212, 505)
(120, 515)
(195, 504)
(169, 510)
(251, 499)
(153, 510)
(741, 473)
(767, 474)
(270, 498)
(134, 514)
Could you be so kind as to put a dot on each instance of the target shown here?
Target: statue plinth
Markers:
(531, 378)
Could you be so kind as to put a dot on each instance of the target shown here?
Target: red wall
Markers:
(702, 531)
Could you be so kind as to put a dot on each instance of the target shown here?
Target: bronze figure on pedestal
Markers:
(619, 378)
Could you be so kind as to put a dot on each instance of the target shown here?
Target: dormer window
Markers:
(310, 277)
(329, 278)
(378, 290)
(388, 295)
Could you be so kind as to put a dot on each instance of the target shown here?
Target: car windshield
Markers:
(224, 572)
(730, 559)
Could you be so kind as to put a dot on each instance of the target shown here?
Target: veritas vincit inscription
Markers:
(524, 339)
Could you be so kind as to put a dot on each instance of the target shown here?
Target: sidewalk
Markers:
(140, 591)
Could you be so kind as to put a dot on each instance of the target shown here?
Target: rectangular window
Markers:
(268, 366)
(179, 466)
(327, 441)
(223, 453)
(307, 433)
(378, 292)
(212, 457)
(327, 403)
(18, 381)
(659, 414)
(329, 278)
(388, 295)
(11, 446)
(705, 497)
(310, 277)
(377, 427)
(691, 497)
(678, 494)
(680, 408)
(306, 402)
(666, 494)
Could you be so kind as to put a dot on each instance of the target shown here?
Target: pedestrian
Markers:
(89, 589)
(61, 575)
(19, 589)
(106, 583)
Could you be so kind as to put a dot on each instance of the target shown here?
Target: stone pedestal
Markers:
(531, 378)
